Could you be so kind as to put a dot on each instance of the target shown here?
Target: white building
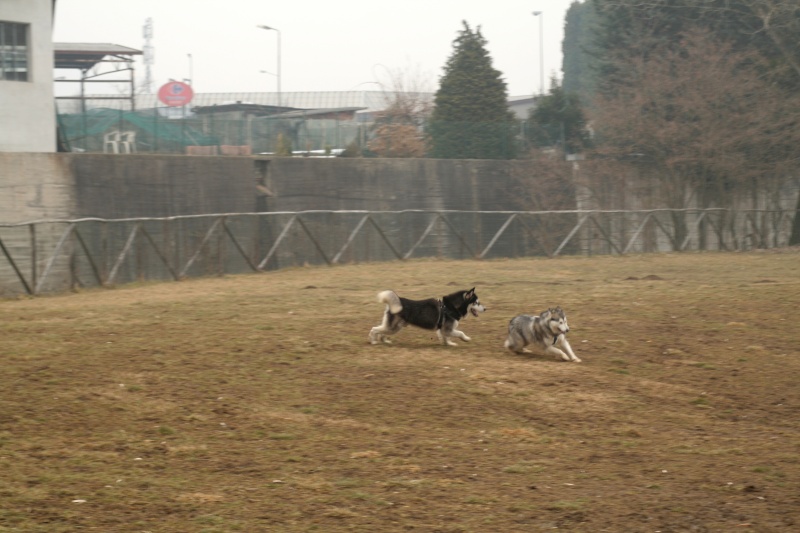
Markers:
(27, 107)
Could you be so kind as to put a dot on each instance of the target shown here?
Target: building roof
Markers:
(302, 113)
(247, 108)
(370, 100)
(84, 56)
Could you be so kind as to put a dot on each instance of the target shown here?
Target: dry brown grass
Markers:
(254, 403)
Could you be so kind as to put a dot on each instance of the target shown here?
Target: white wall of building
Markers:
(27, 108)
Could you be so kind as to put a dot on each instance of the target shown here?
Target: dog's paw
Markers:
(466, 339)
(525, 350)
(451, 343)
(576, 360)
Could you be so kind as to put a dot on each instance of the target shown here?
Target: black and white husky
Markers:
(546, 331)
(440, 314)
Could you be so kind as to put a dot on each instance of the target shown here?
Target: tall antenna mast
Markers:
(149, 54)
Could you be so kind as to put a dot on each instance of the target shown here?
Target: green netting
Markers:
(153, 131)
(86, 131)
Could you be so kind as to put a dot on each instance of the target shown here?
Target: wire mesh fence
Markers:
(51, 256)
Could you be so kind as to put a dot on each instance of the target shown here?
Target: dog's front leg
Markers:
(562, 340)
(459, 334)
(444, 338)
(568, 356)
(552, 350)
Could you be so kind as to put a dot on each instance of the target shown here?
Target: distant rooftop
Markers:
(369, 101)
(84, 56)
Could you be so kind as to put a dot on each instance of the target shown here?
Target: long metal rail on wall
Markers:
(56, 255)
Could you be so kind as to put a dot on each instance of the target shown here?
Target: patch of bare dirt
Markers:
(254, 403)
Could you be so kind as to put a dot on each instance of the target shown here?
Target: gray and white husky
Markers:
(547, 332)
(440, 314)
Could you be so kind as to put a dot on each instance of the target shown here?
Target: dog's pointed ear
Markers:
(469, 293)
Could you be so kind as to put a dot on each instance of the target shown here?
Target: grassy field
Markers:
(255, 403)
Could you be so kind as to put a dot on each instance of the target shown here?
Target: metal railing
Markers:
(55, 255)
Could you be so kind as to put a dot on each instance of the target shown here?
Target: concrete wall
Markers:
(27, 108)
(35, 186)
(127, 186)
(69, 186)
(392, 184)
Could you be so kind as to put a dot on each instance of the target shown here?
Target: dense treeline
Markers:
(692, 103)
(672, 103)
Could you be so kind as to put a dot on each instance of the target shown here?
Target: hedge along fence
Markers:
(56, 255)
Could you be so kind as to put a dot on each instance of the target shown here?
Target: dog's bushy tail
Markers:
(392, 300)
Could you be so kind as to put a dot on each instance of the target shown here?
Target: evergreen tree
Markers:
(471, 119)
(558, 120)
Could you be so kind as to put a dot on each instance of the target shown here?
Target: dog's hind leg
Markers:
(375, 335)
(387, 327)
(562, 340)
(515, 343)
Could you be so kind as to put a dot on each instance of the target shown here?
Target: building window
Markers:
(13, 51)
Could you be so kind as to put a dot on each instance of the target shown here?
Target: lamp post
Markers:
(540, 14)
(265, 27)
(191, 73)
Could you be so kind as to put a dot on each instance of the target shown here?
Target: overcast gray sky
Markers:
(326, 45)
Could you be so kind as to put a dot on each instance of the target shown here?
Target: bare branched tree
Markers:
(769, 28)
(703, 121)
(398, 130)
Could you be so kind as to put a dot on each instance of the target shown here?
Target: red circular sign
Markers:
(175, 93)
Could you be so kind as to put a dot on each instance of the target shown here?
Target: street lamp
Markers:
(265, 27)
(540, 14)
